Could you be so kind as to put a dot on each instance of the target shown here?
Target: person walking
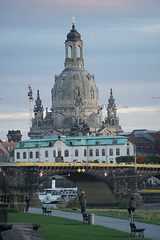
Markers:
(27, 202)
(83, 201)
(131, 207)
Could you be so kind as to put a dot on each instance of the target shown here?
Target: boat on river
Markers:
(55, 195)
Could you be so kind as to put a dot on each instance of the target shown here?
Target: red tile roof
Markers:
(9, 144)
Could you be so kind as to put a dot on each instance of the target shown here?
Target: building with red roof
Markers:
(147, 142)
(7, 151)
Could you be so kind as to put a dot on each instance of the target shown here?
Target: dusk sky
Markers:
(121, 40)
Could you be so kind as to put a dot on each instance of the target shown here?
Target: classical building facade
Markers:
(98, 149)
(75, 109)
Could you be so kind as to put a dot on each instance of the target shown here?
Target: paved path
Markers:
(152, 231)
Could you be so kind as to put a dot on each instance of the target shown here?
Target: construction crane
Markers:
(30, 95)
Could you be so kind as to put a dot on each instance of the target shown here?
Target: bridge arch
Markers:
(95, 186)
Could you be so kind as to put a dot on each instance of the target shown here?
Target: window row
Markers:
(97, 153)
(147, 149)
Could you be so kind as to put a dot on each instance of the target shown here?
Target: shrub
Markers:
(123, 204)
(73, 203)
(15, 209)
(142, 159)
(125, 159)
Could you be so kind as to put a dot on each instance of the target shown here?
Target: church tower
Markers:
(38, 112)
(74, 94)
(112, 119)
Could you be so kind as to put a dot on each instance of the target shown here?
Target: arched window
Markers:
(66, 153)
(56, 120)
(153, 148)
(80, 121)
(78, 51)
(39, 123)
(149, 149)
(128, 152)
(46, 154)
(97, 152)
(31, 155)
(59, 153)
(76, 153)
(90, 152)
(103, 152)
(85, 152)
(37, 154)
(18, 155)
(24, 155)
(111, 152)
(117, 151)
(69, 54)
(54, 153)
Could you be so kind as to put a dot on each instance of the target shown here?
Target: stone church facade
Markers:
(75, 110)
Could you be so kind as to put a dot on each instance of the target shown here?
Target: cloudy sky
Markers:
(121, 48)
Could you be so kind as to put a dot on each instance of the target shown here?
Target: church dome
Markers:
(75, 110)
(72, 86)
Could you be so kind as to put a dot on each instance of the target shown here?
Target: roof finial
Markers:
(73, 20)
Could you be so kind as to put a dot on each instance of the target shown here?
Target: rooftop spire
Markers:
(73, 20)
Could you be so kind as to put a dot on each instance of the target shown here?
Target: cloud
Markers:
(14, 116)
(58, 7)
(151, 27)
(138, 110)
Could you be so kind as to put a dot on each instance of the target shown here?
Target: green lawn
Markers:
(148, 216)
(66, 229)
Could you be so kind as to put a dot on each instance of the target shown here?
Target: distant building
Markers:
(147, 142)
(7, 151)
(99, 149)
(75, 110)
(14, 136)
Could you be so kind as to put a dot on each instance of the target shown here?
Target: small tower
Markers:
(38, 112)
(74, 49)
(111, 110)
(112, 119)
(14, 136)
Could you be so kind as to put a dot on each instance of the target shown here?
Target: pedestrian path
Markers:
(151, 231)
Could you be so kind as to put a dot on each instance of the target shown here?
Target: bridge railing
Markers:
(88, 164)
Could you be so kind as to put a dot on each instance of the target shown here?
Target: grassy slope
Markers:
(148, 216)
(61, 228)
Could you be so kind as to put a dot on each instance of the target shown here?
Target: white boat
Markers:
(54, 195)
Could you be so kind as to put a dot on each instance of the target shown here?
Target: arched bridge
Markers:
(104, 184)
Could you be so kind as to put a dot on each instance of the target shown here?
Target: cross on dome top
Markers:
(73, 21)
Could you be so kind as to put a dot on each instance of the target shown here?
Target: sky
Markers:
(121, 47)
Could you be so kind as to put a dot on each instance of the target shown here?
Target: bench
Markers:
(45, 211)
(135, 230)
(85, 218)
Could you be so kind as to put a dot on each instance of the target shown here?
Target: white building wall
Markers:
(59, 145)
